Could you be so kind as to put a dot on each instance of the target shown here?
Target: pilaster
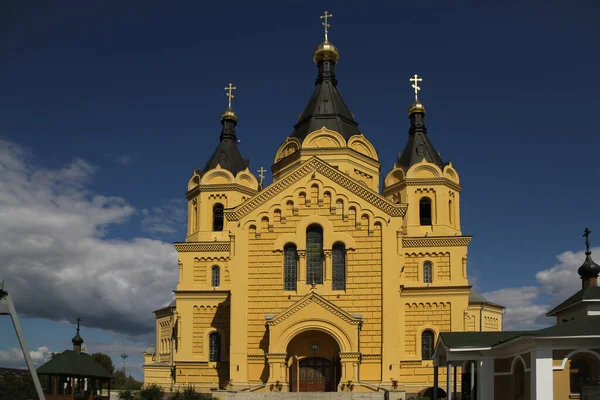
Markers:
(349, 362)
(302, 268)
(542, 384)
(485, 379)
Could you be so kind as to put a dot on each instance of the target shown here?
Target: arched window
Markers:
(218, 217)
(427, 272)
(290, 267)
(314, 254)
(450, 212)
(581, 372)
(427, 345)
(425, 211)
(215, 276)
(214, 343)
(325, 107)
(519, 379)
(338, 261)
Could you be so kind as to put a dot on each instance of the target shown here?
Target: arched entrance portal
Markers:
(314, 360)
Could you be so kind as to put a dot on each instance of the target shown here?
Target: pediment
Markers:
(317, 166)
(312, 305)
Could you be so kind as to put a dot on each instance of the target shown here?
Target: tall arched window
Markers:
(290, 267)
(427, 272)
(314, 254)
(519, 379)
(215, 276)
(214, 344)
(581, 372)
(218, 217)
(427, 345)
(425, 211)
(338, 261)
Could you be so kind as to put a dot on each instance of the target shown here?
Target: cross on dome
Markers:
(229, 93)
(415, 85)
(324, 23)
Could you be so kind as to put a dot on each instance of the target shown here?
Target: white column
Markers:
(542, 383)
(485, 379)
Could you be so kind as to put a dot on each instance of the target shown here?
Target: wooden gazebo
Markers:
(75, 375)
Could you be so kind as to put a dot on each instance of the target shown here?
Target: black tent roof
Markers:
(71, 363)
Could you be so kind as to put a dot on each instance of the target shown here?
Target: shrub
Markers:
(152, 392)
(126, 395)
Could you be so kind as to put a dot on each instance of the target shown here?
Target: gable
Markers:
(310, 305)
(317, 166)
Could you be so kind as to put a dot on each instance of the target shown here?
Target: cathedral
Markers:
(332, 278)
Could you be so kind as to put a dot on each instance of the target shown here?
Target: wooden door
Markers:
(315, 375)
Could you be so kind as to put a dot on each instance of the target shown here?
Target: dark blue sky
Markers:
(511, 90)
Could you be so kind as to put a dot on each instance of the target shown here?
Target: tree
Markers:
(124, 382)
(105, 361)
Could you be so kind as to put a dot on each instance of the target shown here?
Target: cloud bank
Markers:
(526, 306)
(56, 259)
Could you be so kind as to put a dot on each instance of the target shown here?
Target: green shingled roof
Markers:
(71, 363)
(587, 326)
(590, 293)
(477, 298)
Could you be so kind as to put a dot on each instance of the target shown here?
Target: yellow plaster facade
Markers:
(240, 322)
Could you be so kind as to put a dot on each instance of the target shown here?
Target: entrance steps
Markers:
(301, 396)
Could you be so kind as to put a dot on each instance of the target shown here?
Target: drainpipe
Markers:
(376, 387)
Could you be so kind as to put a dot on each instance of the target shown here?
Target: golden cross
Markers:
(415, 85)
(261, 174)
(587, 239)
(229, 93)
(325, 24)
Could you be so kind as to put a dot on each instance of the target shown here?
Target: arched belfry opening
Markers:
(314, 362)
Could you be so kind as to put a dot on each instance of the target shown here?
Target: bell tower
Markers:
(422, 179)
(225, 182)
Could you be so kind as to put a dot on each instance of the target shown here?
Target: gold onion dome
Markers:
(417, 106)
(229, 114)
(326, 51)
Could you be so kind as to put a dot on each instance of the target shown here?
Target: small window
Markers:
(338, 257)
(325, 107)
(215, 276)
(427, 272)
(427, 345)
(214, 347)
(425, 211)
(218, 217)
(314, 255)
(290, 267)
(581, 372)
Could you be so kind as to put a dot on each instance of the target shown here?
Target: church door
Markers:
(315, 375)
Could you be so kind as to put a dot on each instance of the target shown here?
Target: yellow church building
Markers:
(323, 280)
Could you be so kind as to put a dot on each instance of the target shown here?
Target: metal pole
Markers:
(449, 380)
(7, 307)
(455, 381)
(435, 381)
(472, 381)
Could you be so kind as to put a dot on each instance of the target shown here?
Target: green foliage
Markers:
(105, 361)
(124, 382)
(126, 395)
(189, 393)
(17, 387)
(152, 392)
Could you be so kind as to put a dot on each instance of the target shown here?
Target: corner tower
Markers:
(224, 182)
(327, 129)
(422, 179)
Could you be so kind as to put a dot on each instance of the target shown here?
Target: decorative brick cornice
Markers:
(228, 187)
(350, 356)
(314, 297)
(421, 182)
(256, 357)
(441, 241)
(203, 247)
(371, 357)
(309, 167)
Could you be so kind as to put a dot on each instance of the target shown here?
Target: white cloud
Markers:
(123, 159)
(55, 257)
(526, 306)
(14, 358)
(164, 219)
